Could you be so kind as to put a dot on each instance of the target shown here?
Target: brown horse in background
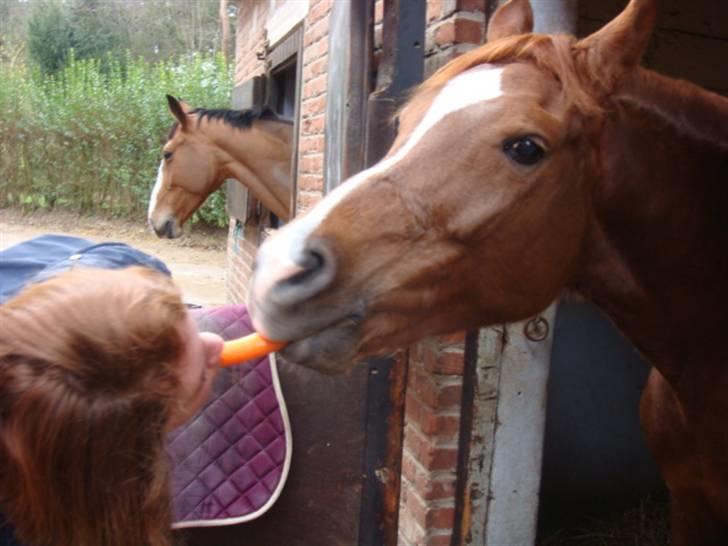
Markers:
(533, 165)
(205, 147)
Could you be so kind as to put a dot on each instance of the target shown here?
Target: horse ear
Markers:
(619, 45)
(512, 18)
(178, 110)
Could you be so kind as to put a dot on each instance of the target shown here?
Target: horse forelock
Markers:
(556, 54)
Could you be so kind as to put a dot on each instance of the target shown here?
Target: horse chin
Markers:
(331, 351)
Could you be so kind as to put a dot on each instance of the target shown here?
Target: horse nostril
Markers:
(316, 271)
(167, 229)
(312, 263)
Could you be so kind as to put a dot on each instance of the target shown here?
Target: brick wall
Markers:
(435, 379)
(249, 41)
(243, 240)
(313, 105)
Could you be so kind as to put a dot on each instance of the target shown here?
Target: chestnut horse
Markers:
(529, 166)
(205, 147)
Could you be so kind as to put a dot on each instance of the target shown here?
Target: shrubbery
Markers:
(89, 137)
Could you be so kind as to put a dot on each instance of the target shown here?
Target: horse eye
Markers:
(523, 150)
(167, 155)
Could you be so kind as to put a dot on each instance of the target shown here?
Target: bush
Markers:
(89, 139)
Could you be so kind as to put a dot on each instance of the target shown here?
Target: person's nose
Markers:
(213, 348)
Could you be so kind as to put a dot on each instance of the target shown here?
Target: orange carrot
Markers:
(238, 351)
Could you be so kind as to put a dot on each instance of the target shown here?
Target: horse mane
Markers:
(689, 108)
(238, 119)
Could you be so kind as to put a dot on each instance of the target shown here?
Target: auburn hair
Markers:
(88, 381)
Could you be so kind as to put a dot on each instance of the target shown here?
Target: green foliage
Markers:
(50, 35)
(153, 29)
(89, 139)
(56, 28)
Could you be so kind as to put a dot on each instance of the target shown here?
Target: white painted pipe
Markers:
(551, 16)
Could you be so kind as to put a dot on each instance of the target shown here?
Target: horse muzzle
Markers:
(169, 228)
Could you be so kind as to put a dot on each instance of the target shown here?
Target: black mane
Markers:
(239, 119)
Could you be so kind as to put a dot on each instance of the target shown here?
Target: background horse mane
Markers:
(239, 119)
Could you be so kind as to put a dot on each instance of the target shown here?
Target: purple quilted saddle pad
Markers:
(230, 462)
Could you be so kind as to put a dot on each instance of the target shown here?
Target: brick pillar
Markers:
(313, 105)
(429, 460)
(243, 240)
(432, 413)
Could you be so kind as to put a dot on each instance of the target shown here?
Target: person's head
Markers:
(95, 367)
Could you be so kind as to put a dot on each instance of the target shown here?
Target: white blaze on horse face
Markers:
(282, 253)
(155, 191)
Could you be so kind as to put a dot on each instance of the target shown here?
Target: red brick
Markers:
(439, 427)
(313, 125)
(430, 455)
(440, 518)
(306, 200)
(316, 67)
(314, 106)
(435, 391)
(434, 10)
(316, 31)
(445, 33)
(459, 31)
(448, 361)
(378, 11)
(416, 507)
(315, 51)
(313, 143)
(312, 163)
(310, 182)
(428, 485)
(444, 539)
(422, 385)
(469, 31)
(319, 11)
(314, 87)
(415, 352)
(457, 338)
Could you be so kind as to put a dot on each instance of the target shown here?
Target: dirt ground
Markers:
(197, 259)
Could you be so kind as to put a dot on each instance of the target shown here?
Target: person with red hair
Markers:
(96, 367)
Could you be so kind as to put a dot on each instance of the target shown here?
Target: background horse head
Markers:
(205, 147)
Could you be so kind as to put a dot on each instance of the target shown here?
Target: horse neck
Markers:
(258, 157)
(656, 260)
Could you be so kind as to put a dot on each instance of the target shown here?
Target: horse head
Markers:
(187, 174)
(477, 215)
(204, 147)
